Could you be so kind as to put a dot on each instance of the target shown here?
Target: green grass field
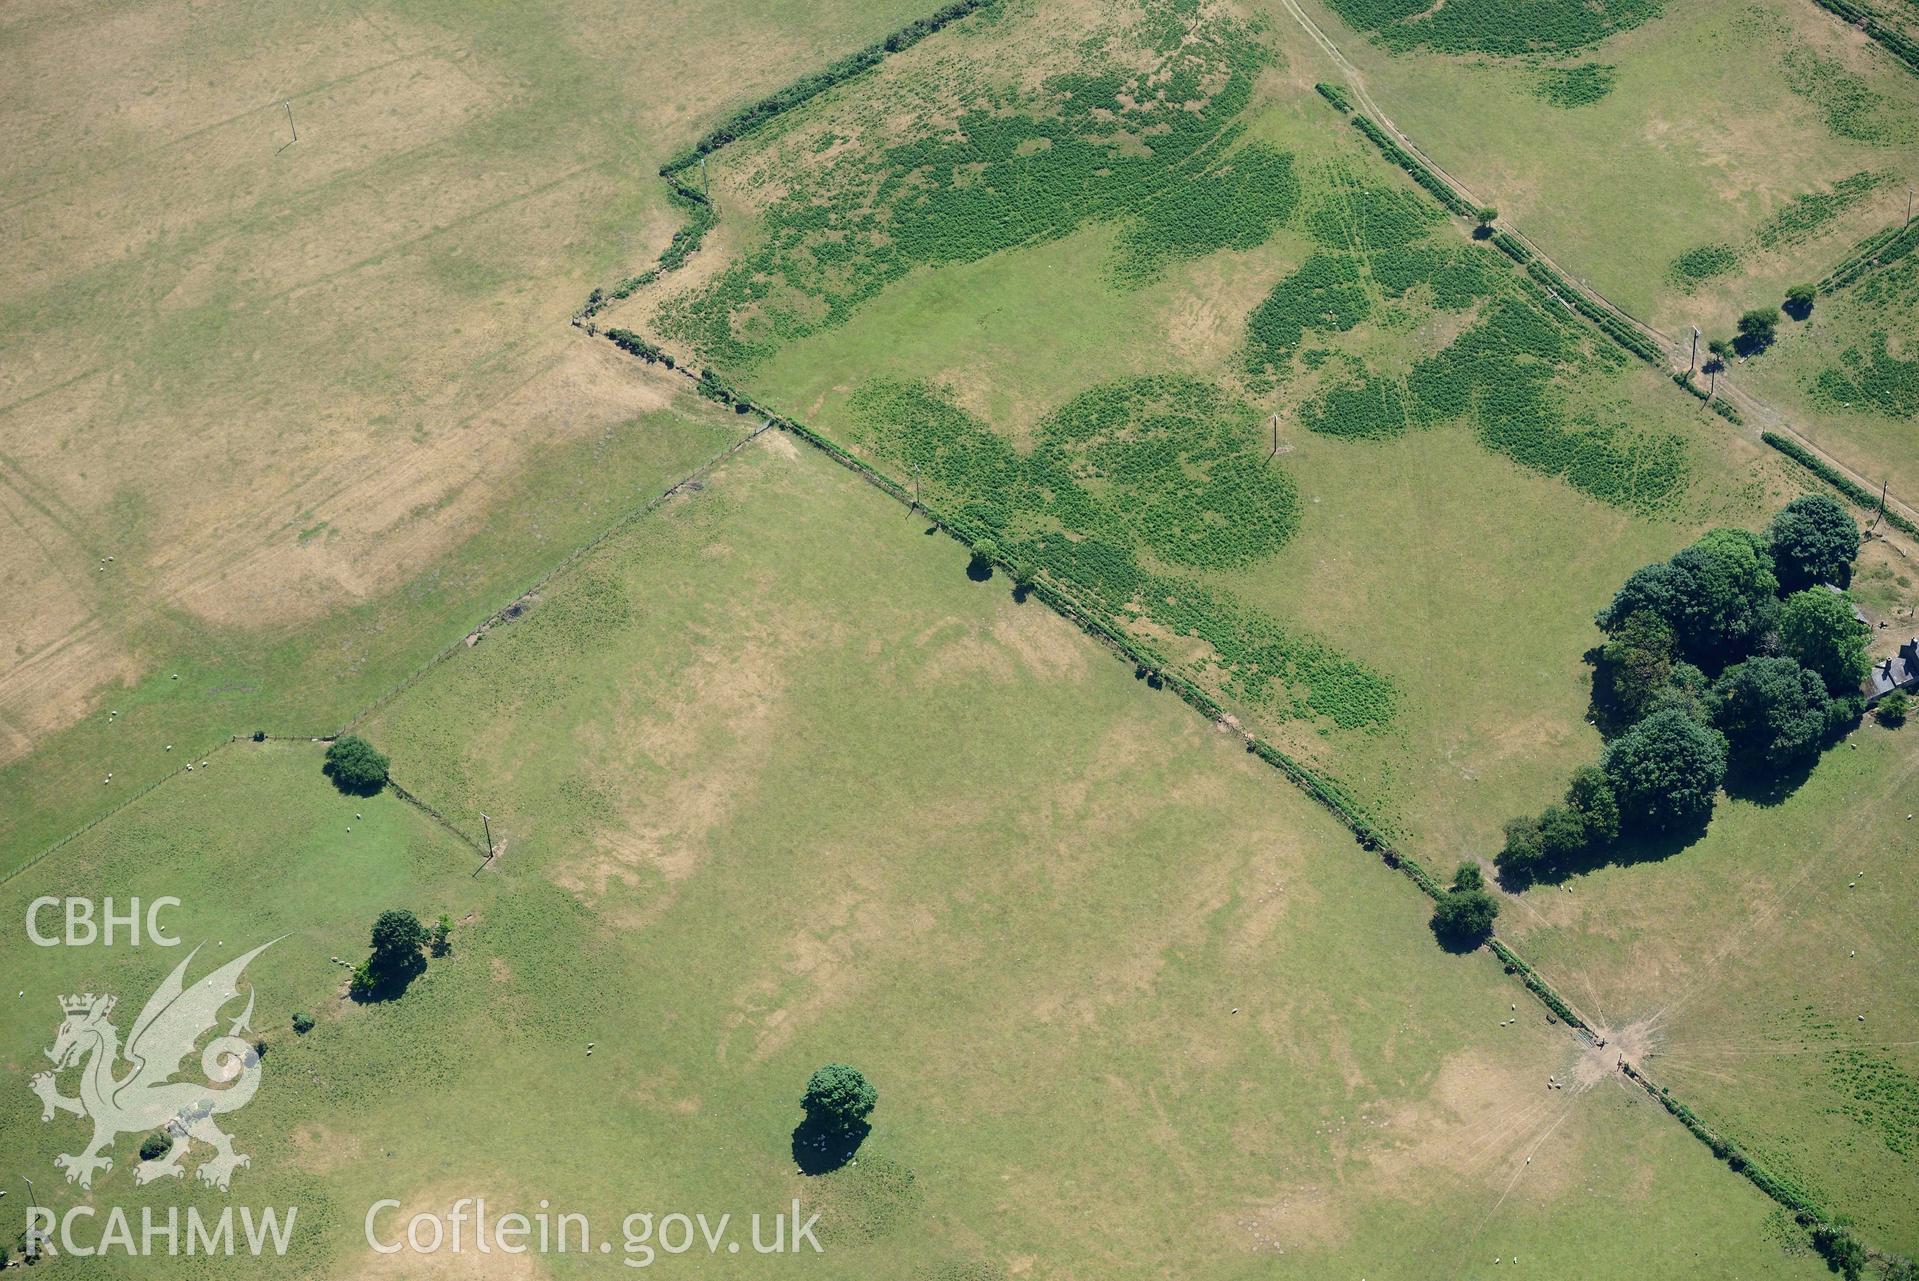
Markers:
(1408, 537)
(1724, 124)
(1743, 964)
(769, 814)
(1848, 377)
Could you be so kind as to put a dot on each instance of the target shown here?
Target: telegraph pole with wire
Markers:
(1694, 363)
(487, 827)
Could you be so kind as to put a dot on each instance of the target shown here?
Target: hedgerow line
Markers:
(1897, 43)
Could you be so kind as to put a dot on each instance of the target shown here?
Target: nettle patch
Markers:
(1503, 27)
(977, 167)
(1579, 86)
(1698, 265)
(1380, 263)
(1128, 488)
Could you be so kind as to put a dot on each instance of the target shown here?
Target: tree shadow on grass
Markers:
(1641, 847)
(1458, 942)
(389, 984)
(979, 569)
(1767, 785)
(822, 1149)
(353, 787)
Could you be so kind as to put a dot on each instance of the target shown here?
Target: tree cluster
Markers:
(1735, 658)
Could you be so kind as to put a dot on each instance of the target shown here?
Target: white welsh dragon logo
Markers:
(145, 1098)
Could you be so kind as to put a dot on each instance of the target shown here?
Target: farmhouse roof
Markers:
(1901, 671)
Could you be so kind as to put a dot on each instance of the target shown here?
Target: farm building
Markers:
(1857, 613)
(1901, 671)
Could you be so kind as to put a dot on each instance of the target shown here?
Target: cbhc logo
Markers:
(83, 930)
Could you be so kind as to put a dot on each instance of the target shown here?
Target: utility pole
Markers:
(705, 189)
(1694, 363)
(1908, 204)
(488, 828)
(1274, 420)
(916, 489)
(1881, 514)
(288, 104)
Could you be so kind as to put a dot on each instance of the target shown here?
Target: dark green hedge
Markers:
(1335, 95)
(751, 117)
(1897, 43)
(1441, 190)
(1837, 479)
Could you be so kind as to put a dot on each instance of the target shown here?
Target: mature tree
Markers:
(1666, 771)
(1799, 301)
(986, 553)
(838, 1098)
(398, 937)
(1590, 794)
(1841, 1250)
(355, 766)
(1468, 877)
(1716, 595)
(1464, 917)
(1634, 663)
(1519, 858)
(1813, 540)
(1686, 689)
(1757, 329)
(1485, 216)
(1774, 713)
(1562, 834)
(1817, 628)
(1651, 590)
(156, 1145)
(1891, 710)
(1730, 592)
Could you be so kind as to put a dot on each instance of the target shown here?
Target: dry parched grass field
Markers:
(263, 409)
(777, 775)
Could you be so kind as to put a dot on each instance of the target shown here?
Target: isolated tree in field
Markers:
(1666, 771)
(1757, 329)
(1590, 795)
(398, 936)
(1813, 540)
(156, 1145)
(838, 1098)
(1799, 300)
(1774, 713)
(1485, 216)
(1817, 628)
(354, 765)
